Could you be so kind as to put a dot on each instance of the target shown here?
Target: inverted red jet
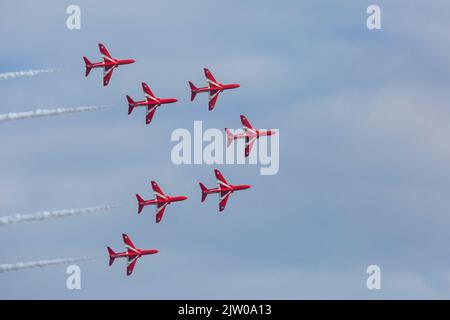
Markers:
(161, 201)
(250, 135)
(214, 88)
(132, 254)
(109, 63)
(225, 189)
(151, 102)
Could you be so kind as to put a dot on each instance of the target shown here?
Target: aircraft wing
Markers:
(131, 248)
(105, 54)
(158, 191)
(223, 184)
(160, 211)
(130, 264)
(150, 114)
(224, 195)
(107, 74)
(249, 145)
(210, 78)
(246, 124)
(148, 93)
(213, 95)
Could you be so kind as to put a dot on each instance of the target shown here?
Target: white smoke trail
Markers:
(44, 215)
(41, 264)
(27, 73)
(47, 112)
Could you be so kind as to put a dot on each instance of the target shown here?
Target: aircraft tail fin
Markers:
(230, 136)
(88, 66)
(193, 90)
(204, 189)
(111, 255)
(130, 104)
(140, 203)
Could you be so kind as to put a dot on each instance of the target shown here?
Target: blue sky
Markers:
(364, 174)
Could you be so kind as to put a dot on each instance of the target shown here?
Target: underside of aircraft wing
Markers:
(160, 211)
(213, 96)
(130, 264)
(224, 195)
(150, 114)
(107, 74)
(249, 142)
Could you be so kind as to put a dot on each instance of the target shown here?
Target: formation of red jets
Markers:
(151, 103)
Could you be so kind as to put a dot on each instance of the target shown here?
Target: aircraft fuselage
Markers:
(111, 63)
(221, 87)
(152, 103)
(141, 252)
(256, 134)
(162, 201)
(232, 189)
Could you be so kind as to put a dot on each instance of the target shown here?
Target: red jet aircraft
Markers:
(151, 103)
(161, 201)
(214, 88)
(109, 63)
(250, 135)
(132, 254)
(225, 189)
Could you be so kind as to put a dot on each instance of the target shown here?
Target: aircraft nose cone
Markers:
(156, 251)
